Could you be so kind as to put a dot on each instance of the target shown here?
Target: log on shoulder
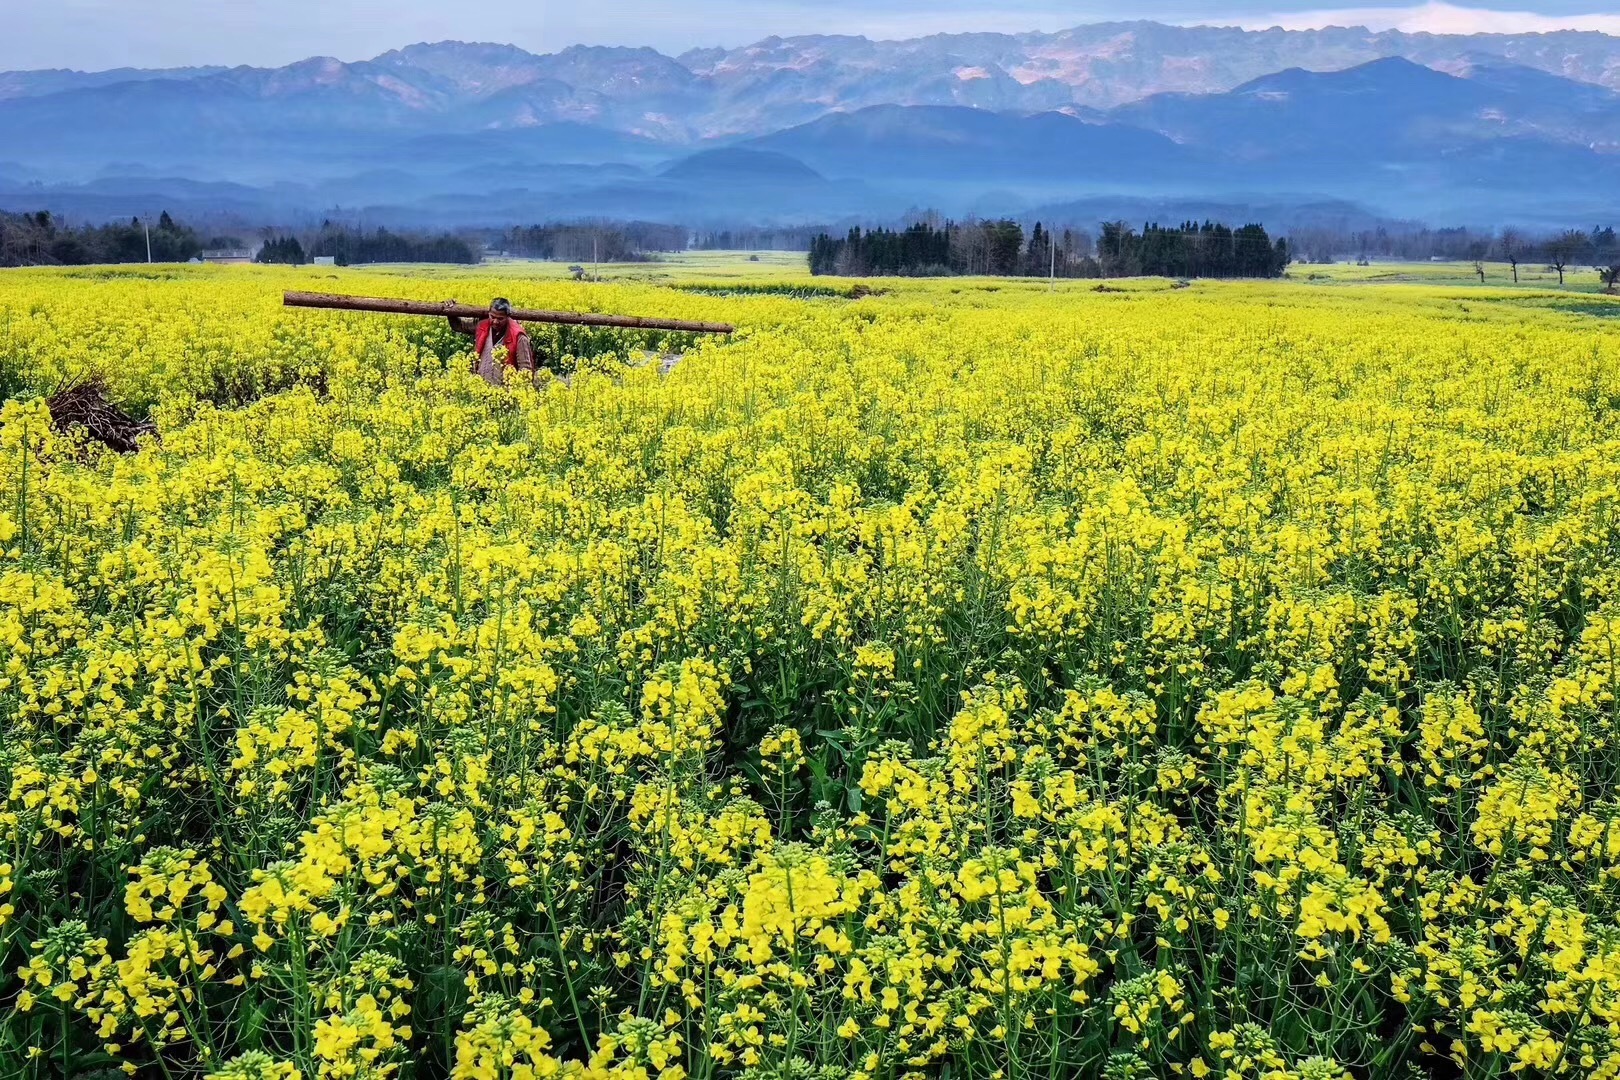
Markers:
(442, 308)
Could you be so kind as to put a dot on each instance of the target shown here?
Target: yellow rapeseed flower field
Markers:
(966, 680)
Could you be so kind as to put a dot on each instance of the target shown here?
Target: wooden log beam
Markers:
(443, 308)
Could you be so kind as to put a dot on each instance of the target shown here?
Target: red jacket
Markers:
(514, 331)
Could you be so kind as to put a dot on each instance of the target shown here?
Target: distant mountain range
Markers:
(1479, 127)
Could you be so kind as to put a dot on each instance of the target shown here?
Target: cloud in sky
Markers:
(1439, 18)
(94, 34)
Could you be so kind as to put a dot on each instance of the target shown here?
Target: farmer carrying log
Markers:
(497, 332)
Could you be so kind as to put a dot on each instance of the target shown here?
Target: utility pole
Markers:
(1051, 242)
(146, 226)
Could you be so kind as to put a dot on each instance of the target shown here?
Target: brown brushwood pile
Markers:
(83, 403)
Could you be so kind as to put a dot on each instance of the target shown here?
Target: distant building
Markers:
(324, 260)
(227, 255)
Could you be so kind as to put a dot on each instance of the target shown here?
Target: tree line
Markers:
(1599, 249)
(585, 242)
(1560, 250)
(742, 238)
(348, 246)
(925, 244)
(925, 249)
(1000, 248)
(40, 240)
(1207, 250)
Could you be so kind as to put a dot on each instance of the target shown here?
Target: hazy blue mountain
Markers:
(470, 69)
(1575, 111)
(114, 198)
(783, 82)
(764, 85)
(717, 187)
(1391, 108)
(521, 149)
(1410, 124)
(720, 186)
(740, 165)
(1407, 138)
(952, 144)
(1108, 64)
(19, 84)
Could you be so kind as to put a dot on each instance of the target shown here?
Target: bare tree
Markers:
(1512, 246)
(1610, 276)
(1479, 268)
(1564, 249)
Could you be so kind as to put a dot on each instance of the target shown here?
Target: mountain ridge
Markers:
(1119, 53)
(1402, 122)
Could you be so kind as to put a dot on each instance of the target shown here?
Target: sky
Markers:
(98, 34)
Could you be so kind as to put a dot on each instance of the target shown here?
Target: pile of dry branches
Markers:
(83, 403)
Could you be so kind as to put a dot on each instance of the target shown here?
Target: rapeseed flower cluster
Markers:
(967, 680)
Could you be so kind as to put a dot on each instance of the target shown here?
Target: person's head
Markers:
(500, 309)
